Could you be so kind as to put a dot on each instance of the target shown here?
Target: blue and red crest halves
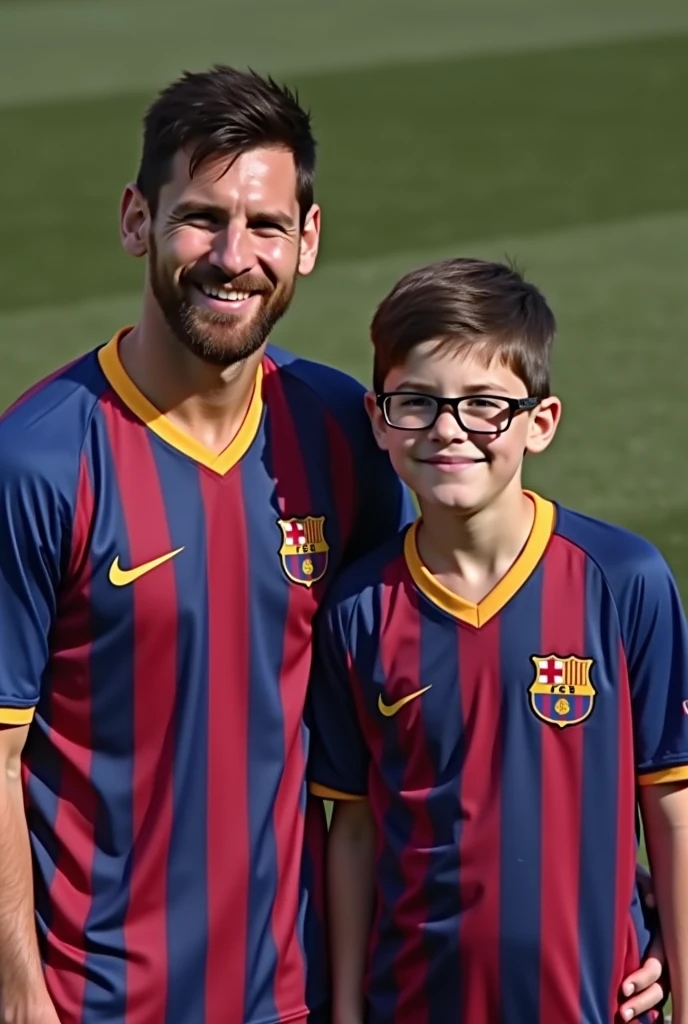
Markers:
(304, 551)
(562, 692)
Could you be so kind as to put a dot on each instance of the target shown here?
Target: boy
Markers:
(490, 687)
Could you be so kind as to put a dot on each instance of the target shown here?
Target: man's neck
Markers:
(470, 554)
(206, 402)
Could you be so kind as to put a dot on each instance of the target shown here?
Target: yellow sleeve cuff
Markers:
(332, 794)
(677, 773)
(16, 716)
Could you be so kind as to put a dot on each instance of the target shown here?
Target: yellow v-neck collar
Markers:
(478, 614)
(126, 390)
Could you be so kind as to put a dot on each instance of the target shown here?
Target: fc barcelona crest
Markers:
(304, 551)
(562, 692)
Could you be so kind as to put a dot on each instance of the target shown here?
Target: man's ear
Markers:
(134, 221)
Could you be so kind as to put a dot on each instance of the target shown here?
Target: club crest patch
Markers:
(562, 692)
(304, 551)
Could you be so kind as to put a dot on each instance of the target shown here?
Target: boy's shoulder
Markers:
(635, 574)
(359, 583)
(620, 554)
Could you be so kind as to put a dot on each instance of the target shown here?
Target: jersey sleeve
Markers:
(338, 757)
(657, 652)
(30, 555)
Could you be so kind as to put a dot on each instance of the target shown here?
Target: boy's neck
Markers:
(470, 554)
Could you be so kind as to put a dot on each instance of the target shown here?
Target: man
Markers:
(174, 506)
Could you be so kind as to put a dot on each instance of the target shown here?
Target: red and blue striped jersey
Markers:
(156, 604)
(500, 745)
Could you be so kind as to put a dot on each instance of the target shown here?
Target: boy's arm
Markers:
(338, 771)
(350, 894)
(665, 817)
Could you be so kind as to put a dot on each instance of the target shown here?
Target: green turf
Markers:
(59, 49)
(548, 131)
(412, 157)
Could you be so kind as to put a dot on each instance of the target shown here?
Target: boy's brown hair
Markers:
(467, 304)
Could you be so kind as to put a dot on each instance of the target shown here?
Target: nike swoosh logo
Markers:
(123, 577)
(391, 709)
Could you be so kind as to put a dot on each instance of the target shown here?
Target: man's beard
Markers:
(215, 337)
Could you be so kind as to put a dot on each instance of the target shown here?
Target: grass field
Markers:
(548, 131)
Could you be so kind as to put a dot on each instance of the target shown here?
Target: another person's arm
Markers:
(656, 643)
(665, 817)
(645, 988)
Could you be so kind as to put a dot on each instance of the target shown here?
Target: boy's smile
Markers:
(448, 463)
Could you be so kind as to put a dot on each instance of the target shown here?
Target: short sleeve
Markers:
(657, 652)
(30, 554)
(339, 758)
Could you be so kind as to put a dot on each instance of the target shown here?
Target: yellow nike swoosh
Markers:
(122, 577)
(391, 709)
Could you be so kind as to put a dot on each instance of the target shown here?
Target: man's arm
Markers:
(664, 809)
(23, 996)
(31, 531)
(350, 893)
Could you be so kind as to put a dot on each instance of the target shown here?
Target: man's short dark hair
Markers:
(224, 111)
(467, 304)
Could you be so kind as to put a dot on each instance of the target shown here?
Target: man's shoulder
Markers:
(341, 393)
(48, 422)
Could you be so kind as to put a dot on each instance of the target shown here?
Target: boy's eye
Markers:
(483, 403)
(415, 401)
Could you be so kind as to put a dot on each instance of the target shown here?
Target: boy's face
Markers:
(445, 464)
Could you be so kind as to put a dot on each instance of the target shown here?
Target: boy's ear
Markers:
(377, 420)
(543, 424)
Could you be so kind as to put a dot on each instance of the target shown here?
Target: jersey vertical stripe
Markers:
(267, 617)
(228, 699)
(439, 656)
(71, 888)
(400, 652)
(112, 729)
(154, 685)
(382, 743)
(521, 809)
(563, 634)
(187, 886)
(607, 812)
(286, 456)
(479, 894)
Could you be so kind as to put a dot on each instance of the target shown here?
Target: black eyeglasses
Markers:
(476, 414)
